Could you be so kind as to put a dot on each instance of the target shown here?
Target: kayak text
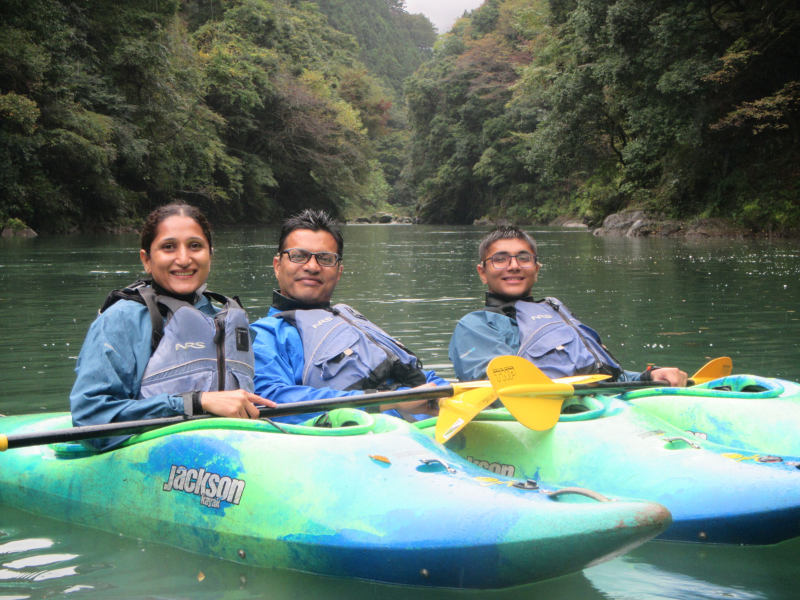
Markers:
(506, 470)
(211, 487)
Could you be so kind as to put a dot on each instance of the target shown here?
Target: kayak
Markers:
(368, 496)
(744, 412)
(721, 486)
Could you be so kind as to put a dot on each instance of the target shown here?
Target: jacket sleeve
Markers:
(478, 338)
(109, 373)
(278, 352)
(432, 377)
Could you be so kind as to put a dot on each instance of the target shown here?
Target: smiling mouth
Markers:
(183, 273)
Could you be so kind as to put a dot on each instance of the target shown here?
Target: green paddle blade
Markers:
(456, 412)
(531, 396)
(719, 367)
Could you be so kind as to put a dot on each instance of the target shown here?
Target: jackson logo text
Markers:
(211, 487)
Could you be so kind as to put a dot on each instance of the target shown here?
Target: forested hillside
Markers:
(247, 108)
(532, 109)
(393, 42)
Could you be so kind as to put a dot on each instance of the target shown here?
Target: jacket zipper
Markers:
(219, 341)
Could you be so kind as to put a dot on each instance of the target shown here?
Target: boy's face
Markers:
(513, 281)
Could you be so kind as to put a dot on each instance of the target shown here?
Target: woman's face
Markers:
(180, 257)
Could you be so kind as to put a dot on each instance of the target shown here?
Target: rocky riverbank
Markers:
(385, 218)
(639, 223)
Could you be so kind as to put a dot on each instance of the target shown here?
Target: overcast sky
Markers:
(442, 13)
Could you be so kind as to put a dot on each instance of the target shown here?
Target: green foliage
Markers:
(666, 93)
(393, 42)
(465, 151)
(684, 107)
(254, 109)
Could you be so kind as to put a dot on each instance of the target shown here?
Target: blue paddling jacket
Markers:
(126, 373)
(317, 352)
(544, 332)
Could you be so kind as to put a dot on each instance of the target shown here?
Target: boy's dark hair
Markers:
(175, 209)
(315, 220)
(504, 233)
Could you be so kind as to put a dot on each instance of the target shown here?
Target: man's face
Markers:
(513, 281)
(309, 283)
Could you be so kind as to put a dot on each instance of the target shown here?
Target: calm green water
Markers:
(668, 302)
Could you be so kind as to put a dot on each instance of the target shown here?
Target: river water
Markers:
(654, 301)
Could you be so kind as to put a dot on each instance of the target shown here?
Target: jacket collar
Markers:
(496, 300)
(283, 303)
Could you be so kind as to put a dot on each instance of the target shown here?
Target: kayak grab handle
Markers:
(579, 491)
(694, 445)
(434, 461)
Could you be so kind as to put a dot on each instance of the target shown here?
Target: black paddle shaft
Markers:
(90, 432)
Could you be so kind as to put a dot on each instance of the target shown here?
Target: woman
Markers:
(135, 366)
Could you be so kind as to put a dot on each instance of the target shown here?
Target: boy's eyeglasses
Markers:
(301, 257)
(502, 261)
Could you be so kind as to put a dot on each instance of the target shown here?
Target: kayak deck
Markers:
(376, 500)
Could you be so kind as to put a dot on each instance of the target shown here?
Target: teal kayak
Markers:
(722, 483)
(745, 412)
(370, 497)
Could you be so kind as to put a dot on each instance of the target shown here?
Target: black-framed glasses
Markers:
(301, 257)
(502, 260)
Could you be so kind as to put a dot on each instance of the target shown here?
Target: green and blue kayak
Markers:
(754, 415)
(371, 497)
(719, 456)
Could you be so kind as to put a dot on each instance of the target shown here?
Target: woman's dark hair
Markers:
(315, 221)
(176, 209)
(504, 233)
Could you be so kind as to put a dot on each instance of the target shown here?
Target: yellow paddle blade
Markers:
(719, 367)
(531, 396)
(456, 412)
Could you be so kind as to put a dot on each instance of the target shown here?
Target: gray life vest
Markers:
(556, 342)
(193, 351)
(344, 351)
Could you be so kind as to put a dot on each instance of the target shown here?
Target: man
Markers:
(305, 349)
(543, 331)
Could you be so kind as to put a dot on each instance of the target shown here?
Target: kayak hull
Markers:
(715, 493)
(363, 505)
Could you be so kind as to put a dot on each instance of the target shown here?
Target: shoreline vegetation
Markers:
(631, 117)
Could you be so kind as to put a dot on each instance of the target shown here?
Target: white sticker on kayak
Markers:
(453, 428)
(211, 487)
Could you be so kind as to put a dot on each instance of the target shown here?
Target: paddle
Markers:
(89, 432)
(456, 412)
(719, 367)
(516, 380)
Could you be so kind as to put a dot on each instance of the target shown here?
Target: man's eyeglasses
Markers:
(502, 261)
(300, 256)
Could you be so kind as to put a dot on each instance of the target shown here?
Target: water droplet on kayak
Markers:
(242, 554)
(424, 573)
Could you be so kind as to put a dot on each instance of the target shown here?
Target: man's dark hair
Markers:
(504, 233)
(315, 221)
